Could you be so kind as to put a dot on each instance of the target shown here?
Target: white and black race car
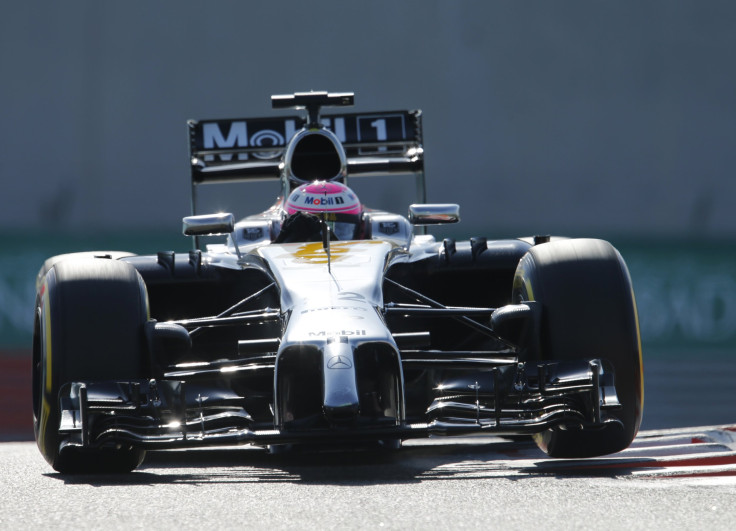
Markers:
(321, 322)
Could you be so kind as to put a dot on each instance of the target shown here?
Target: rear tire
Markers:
(88, 327)
(588, 311)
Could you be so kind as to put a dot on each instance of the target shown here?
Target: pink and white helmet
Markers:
(332, 201)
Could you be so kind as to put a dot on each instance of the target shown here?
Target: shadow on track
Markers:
(446, 460)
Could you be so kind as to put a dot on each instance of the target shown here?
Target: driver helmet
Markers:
(331, 201)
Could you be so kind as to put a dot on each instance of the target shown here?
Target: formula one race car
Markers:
(320, 322)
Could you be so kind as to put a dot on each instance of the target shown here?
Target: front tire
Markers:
(588, 311)
(88, 327)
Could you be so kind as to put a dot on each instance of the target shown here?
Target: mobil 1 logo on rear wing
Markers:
(264, 139)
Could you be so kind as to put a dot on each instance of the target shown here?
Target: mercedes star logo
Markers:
(339, 362)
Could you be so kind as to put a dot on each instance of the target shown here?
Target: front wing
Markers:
(505, 398)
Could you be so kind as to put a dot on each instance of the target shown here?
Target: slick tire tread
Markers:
(89, 322)
(589, 311)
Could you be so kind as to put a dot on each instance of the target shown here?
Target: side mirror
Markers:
(167, 341)
(434, 214)
(208, 224)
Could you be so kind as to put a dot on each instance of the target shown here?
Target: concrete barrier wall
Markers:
(559, 117)
(16, 412)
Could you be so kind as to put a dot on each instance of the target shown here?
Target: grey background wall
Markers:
(575, 117)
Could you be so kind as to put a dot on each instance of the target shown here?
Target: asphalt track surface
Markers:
(676, 479)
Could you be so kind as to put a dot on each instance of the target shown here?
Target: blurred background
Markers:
(603, 119)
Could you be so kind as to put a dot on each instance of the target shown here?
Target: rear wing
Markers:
(246, 149)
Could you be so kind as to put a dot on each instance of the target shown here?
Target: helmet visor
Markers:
(343, 226)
